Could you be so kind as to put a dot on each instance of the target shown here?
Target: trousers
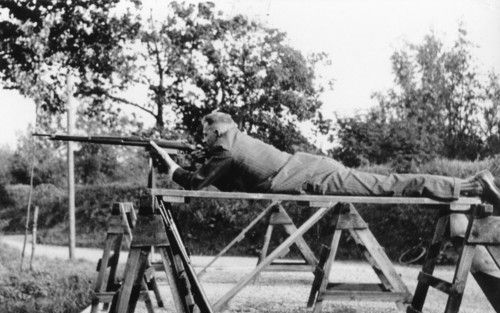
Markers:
(312, 174)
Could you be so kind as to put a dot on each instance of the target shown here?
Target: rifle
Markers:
(172, 146)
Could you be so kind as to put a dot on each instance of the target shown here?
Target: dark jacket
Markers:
(237, 162)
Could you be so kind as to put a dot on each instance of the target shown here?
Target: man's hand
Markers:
(199, 154)
(167, 161)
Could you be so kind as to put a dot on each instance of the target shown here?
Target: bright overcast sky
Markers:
(359, 37)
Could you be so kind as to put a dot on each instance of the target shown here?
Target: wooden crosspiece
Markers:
(279, 217)
(483, 229)
(120, 225)
(392, 288)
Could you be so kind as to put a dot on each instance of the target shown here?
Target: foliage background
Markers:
(208, 225)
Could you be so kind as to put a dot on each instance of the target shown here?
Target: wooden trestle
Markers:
(345, 217)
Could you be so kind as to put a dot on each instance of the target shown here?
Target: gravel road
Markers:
(285, 291)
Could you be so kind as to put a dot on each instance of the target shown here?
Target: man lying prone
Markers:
(238, 162)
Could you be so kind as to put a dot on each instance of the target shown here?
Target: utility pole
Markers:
(71, 167)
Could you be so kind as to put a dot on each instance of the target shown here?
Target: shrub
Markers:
(53, 287)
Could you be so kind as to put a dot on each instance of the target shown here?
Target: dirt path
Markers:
(282, 292)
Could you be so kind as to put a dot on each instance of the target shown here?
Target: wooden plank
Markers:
(429, 264)
(174, 199)
(304, 248)
(127, 206)
(356, 287)
(371, 260)
(318, 303)
(485, 231)
(169, 267)
(101, 276)
(114, 225)
(133, 270)
(460, 279)
(495, 254)
(278, 218)
(126, 226)
(289, 268)
(364, 296)
(267, 241)
(385, 265)
(222, 302)
(326, 201)
(318, 275)
(113, 262)
(435, 282)
(146, 299)
(351, 221)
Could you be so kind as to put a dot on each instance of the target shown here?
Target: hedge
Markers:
(208, 225)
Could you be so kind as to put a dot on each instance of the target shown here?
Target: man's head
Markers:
(215, 125)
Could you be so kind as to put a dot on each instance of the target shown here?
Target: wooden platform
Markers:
(174, 195)
(323, 205)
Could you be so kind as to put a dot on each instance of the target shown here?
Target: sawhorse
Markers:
(324, 205)
(391, 288)
(156, 228)
(277, 217)
(482, 229)
(120, 225)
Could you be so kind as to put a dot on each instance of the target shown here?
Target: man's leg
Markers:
(335, 179)
(331, 177)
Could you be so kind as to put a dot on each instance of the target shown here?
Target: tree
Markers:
(191, 63)
(436, 107)
(492, 116)
(196, 61)
(47, 162)
(42, 41)
(442, 91)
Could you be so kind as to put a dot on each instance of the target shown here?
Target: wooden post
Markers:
(71, 168)
(33, 239)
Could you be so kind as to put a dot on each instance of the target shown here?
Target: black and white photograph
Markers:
(244, 156)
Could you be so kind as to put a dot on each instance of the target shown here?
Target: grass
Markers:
(56, 286)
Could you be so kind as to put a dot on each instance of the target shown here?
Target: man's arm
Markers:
(218, 165)
(208, 174)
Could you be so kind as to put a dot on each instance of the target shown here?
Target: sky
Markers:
(358, 35)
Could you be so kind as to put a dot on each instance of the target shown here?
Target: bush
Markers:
(54, 287)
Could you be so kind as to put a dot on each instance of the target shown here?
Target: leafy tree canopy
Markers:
(190, 63)
(440, 106)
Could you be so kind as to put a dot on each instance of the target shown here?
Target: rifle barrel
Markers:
(122, 141)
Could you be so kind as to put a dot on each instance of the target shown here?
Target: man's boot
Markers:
(483, 185)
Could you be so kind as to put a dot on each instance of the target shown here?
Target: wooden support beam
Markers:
(353, 295)
(311, 200)
(435, 282)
